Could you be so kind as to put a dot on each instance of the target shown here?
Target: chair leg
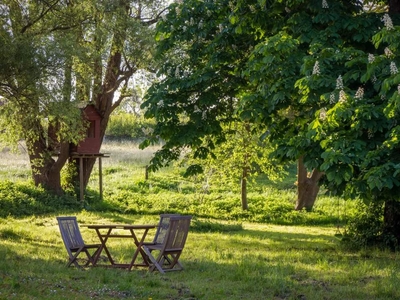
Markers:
(155, 262)
(73, 259)
(173, 262)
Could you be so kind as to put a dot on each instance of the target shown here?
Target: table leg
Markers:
(103, 241)
(138, 250)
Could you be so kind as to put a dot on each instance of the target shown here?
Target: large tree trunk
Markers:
(391, 222)
(307, 186)
(45, 169)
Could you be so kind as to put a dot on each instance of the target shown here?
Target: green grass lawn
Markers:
(254, 261)
(269, 252)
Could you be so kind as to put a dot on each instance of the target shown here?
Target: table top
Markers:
(120, 226)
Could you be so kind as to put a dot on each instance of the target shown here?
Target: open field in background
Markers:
(270, 252)
(14, 166)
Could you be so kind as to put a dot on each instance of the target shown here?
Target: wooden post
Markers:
(100, 179)
(81, 178)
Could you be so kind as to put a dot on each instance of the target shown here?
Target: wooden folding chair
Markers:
(172, 246)
(74, 243)
(162, 229)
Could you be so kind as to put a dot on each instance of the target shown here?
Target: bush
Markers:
(126, 125)
(366, 228)
(24, 199)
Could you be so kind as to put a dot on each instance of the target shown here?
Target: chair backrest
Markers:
(70, 232)
(162, 228)
(177, 233)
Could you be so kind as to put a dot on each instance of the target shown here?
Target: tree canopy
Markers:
(59, 56)
(320, 77)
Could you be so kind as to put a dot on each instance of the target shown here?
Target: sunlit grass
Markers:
(258, 261)
(14, 165)
(228, 254)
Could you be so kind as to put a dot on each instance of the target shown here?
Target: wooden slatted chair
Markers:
(162, 229)
(74, 243)
(172, 246)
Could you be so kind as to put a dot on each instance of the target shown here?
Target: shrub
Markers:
(126, 125)
(24, 199)
(366, 228)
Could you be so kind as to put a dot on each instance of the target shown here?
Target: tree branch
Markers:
(41, 16)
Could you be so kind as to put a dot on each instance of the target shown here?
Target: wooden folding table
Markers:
(105, 232)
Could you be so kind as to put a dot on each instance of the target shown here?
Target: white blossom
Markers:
(339, 83)
(374, 79)
(204, 115)
(221, 27)
(342, 96)
(201, 24)
(388, 22)
(388, 52)
(177, 11)
(332, 98)
(393, 68)
(252, 8)
(160, 103)
(316, 70)
(371, 58)
(325, 4)
(184, 28)
(360, 93)
(177, 72)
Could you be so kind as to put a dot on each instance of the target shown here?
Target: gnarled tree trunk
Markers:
(45, 169)
(307, 186)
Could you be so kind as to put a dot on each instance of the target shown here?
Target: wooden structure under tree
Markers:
(81, 157)
(89, 148)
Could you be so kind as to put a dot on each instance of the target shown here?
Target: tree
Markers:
(322, 80)
(199, 87)
(347, 81)
(32, 98)
(240, 158)
(196, 99)
(214, 42)
(61, 55)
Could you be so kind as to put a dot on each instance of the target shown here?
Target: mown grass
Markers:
(270, 252)
(254, 261)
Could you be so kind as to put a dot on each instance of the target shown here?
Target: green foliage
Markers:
(214, 226)
(58, 57)
(128, 125)
(69, 178)
(366, 229)
(24, 199)
(199, 82)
